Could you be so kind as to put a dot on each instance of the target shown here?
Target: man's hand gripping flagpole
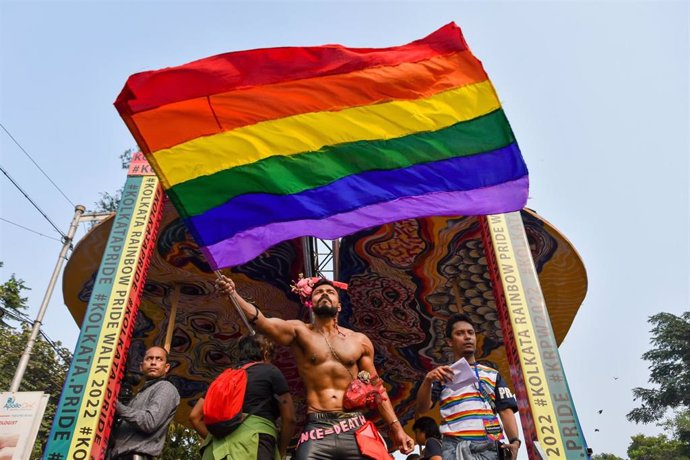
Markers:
(219, 276)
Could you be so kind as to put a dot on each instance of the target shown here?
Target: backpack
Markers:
(224, 400)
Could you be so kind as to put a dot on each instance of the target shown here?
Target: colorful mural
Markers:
(405, 279)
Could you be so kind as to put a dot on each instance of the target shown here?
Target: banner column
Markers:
(550, 424)
(85, 413)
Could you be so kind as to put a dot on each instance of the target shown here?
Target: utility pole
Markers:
(66, 246)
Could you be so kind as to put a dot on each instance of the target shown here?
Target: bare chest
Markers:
(336, 348)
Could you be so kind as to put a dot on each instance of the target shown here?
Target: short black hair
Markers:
(323, 281)
(456, 318)
(253, 348)
(428, 426)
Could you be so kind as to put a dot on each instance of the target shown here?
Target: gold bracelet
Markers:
(394, 422)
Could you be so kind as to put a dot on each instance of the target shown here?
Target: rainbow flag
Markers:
(256, 147)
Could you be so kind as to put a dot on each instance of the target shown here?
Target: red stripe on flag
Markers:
(229, 71)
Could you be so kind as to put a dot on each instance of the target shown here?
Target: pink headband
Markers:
(304, 286)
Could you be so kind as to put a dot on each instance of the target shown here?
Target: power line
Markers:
(28, 229)
(58, 350)
(32, 202)
(23, 318)
(34, 162)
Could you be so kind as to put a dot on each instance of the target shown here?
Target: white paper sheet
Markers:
(463, 375)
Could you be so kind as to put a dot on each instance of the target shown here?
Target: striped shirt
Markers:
(466, 414)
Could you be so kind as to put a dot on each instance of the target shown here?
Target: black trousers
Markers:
(267, 445)
(330, 436)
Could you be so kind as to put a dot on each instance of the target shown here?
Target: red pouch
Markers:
(370, 442)
(362, 394)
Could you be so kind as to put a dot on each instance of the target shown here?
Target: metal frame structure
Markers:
(321, 257)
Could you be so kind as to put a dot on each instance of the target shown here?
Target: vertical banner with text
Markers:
(86, 409)
(552, 417)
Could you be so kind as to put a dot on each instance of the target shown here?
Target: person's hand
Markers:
(6, 453)
(513, 448)
(401, 440)
(225, 285)
(9, 440)
(442, 374)
(126, 393)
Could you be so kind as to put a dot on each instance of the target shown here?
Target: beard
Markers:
(325, 311)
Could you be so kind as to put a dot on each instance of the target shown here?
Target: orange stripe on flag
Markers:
(176, 123)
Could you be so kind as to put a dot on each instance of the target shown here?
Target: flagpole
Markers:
(174, 299)
(251, 330)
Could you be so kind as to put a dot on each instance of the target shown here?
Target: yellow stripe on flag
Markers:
(310, 132)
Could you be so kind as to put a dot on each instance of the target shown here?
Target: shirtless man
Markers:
(329, 432)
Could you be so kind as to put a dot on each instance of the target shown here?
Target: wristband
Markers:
(394, 422)
(256, 315)
(512, 440)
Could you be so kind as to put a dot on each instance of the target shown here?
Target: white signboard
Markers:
(20, 419)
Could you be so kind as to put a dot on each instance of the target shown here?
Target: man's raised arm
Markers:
(279, 330)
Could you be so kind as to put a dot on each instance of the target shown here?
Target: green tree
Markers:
(12, 303)
(108, 202)
(605, 457)
(656, 448)
(126, 158)
(46, 371)
(679, 426)
(182, 443)
(669, 369)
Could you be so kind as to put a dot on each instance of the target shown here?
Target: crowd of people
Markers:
(342, 385)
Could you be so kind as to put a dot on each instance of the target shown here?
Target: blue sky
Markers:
(596, 92)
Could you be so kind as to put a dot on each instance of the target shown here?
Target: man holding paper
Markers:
(472, 399)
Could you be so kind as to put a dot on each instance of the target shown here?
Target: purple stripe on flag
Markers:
(245, 246)
(346, 194)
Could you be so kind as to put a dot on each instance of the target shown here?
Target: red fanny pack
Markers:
(364, 391)
(370, 442)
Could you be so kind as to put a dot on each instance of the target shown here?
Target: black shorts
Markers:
(267, 447)
(330, 436)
